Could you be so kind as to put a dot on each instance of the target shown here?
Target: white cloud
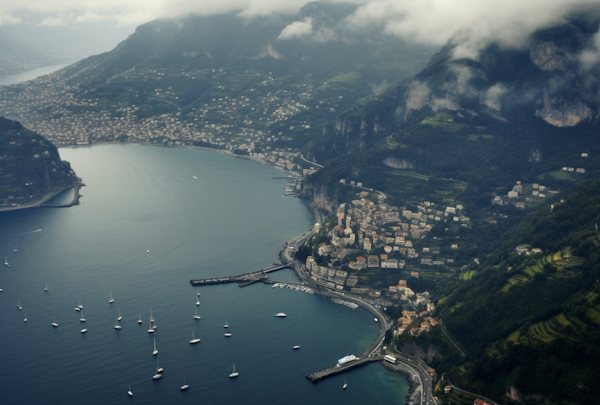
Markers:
(472, 24)
(297, 29)
(8, 19)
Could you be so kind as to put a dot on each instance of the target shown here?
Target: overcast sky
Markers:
(475, 22)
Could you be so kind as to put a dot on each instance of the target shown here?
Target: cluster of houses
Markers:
(415, 323)
(365, 226)
(531, 193)
(373, 235)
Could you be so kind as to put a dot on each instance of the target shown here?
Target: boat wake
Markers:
(25, 233)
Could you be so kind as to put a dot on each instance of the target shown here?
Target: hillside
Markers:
(30, 166)
(218, 80)
(528, 315)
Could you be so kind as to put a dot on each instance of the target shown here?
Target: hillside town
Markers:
(243, 122)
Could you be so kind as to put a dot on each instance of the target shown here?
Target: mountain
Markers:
(528, 315)
(278, 75)
(30, 167)
(511, 115)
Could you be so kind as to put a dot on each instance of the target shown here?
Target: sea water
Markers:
(199, 214)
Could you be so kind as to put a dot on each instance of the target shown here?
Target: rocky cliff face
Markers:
(427, 355)
(514, 394)
(562, 112)
(555, 77)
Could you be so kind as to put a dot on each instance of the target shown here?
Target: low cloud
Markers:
(307, 28)
(471, 25)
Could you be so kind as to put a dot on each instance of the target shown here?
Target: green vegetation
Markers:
(30, 166)
(532, 312)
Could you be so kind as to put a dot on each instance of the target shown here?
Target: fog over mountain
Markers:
(73, 29)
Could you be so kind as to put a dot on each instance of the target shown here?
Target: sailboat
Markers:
(120, 317)
(150, 330)
(197, 316)
(140, 320)
(83, 330)
(82, 319)
(194, 338)
(154, 352)
(111, 300)
(25, 320)
(129, 392)
(6, 261)
(226, 325)
(197, 301)
(46, 287)
(235, 373)
(151, 316)
(54, 323)
(345, 384)
(197, 292)
(80, 306)
(19, 305)
(228, 333)
(158, 372)
(117, 326)
(184, 386)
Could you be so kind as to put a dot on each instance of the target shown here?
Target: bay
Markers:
(29, 75)
(200, 214)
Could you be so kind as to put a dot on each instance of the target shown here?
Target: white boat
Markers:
(129, 392)
(280, 315)
(184, 386)
(5, 260)
(80, 306)
(228, 334)
(15, 250)
(148, 251)
(117, 326)
(46, 288)
(77, 309)
(150, 330)
(19, 305)
(345, 384)
(197, 316)
(120, 317)
(83, 330)
(197, 292)
(296, 347)
(158, 373)
(140, 320)
(54, 323)
(197, 302)
(376, 320)
(82, 319)
(111, 300)
(154, 352)
(25, 319)
(195, 177)
(226, 325)
(194, 339)
(151, 316)
(235, 373)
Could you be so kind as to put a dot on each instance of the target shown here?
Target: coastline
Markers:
(415, 390)
(39, 203)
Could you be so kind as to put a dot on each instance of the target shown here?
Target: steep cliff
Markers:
(30, 166)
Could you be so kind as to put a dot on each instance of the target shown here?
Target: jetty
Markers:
(243, 279)
(328, 372)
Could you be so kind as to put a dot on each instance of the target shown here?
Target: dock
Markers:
(328, 372)
(243, 279)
